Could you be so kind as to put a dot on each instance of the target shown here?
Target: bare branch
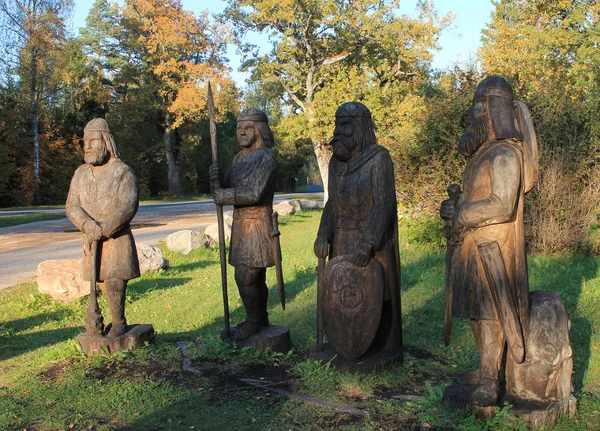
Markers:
(335, 59)
(289, 91)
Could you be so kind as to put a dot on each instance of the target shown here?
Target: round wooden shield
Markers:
(352, 305)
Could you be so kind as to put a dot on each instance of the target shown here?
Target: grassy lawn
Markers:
(7, 221)
(47, 384)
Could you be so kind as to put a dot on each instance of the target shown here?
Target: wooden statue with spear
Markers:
(249, 186)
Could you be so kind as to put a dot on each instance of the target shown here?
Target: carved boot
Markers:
(250, 297)
(263, 296)
(115, 296)
(490, 343)
(470, 377)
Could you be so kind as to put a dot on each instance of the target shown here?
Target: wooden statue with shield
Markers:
(358, 304)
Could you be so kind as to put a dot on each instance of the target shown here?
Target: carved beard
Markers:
(342, 148)
(474, 136)
(95, 158)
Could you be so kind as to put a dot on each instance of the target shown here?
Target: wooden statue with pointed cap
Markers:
(486, 279)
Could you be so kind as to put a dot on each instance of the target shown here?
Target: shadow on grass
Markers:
(16, 345)
(193, 266)
(140, 288)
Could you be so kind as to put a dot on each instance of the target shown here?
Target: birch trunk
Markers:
(174, 171)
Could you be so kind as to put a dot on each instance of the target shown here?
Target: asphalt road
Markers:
(24, 246)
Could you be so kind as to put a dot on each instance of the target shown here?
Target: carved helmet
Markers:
(253, 114)
(499, 95)
(362, 122)
(511, 119)
(354, 110)
(100, 125)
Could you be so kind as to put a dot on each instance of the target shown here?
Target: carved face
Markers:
(247, 134)
(344, 141)
(477, 127)
(95, 152)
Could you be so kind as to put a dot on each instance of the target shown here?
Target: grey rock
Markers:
(62, 280)
(212, 232)
(185, 241)
(284, 208)
(150, 258)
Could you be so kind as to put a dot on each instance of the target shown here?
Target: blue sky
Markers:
(458, 44)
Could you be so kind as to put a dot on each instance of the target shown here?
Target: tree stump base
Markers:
(136, 336)
(274, 337)
(366, 363)
(538, 414)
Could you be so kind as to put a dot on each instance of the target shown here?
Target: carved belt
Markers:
(351, 224)
(252, 212)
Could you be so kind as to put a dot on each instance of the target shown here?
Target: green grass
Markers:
(15, 220)
(47, 384)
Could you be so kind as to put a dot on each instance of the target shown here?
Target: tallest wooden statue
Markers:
(486, 278)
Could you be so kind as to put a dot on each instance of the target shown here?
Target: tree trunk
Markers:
(323, 154)
(174, 172)
(35, 132)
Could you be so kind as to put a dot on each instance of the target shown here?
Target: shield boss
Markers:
(352, 305)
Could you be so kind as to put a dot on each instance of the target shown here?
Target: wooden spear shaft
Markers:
(220, 221)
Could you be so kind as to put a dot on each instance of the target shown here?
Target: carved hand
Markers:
(447, 209)
(363, 254)
(93, 232)
(321, 247)
(215, 175)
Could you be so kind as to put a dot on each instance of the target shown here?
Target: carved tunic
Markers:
(362, 208)
(109, 195)
(491, 210)
(251, 184)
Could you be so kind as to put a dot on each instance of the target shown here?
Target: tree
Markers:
(173, 55)
(33, 34)
(548, 50)
(327, 48)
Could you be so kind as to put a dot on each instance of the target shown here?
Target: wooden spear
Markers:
(215, 185)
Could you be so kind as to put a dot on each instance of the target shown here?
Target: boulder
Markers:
(184, 241)
(151, 258)
(310, 204)
(62, 280)
(212, 232)
(284, 208)
(296, 204)
(228, 217)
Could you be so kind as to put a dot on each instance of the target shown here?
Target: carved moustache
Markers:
(474, 136)
(340, 146)
(94, 158)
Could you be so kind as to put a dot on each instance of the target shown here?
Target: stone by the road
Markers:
(284, 208)
(151, 258)
(296, 204)
(185, 241)
(310, 204)
(62, 280)
(212, 231)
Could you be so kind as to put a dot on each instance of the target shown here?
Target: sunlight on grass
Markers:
(46, 383)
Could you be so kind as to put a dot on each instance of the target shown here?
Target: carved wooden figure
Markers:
(486, 273)
(102, 200)
(249, 186)
(359, 291)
